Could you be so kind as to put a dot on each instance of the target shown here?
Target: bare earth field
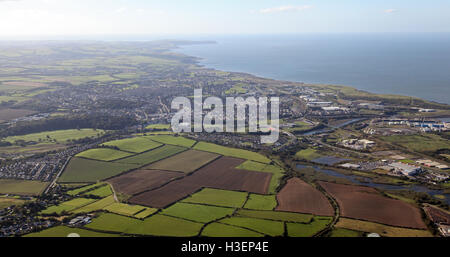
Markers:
(219, 174)
(366, 203)
(436, 215)
(10, 114)
(141, 180)
(299, 196)
(184, 162)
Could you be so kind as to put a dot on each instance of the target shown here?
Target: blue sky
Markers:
(146, 17)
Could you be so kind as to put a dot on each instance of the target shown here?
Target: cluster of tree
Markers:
(96, 121)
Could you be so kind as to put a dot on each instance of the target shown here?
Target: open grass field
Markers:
(187, 161)
(308, 154)
(276, 215)
(84, 170)
(172, 140)
(157, 225)
(219, 174)
(145, 213)
(223, 230)
(22, 187)
(7, 114)
(124, 209)
(158, 126)
(140, 180)
(103, 191)
(232, 152)
(68, 206)
(419, 143)
(103, 154)
(383, 230)
(308, 230)
(277, 172)
(218, 198)
(342, 232)
(366, 203)
(84, 189)
(7, 202)
(60, 136)
(114, 223)
(299, 196)
(153, 155)
(63, 231)
(197, 212)
(135, 145)
(261, 202)
(95, 206)
(267, 227)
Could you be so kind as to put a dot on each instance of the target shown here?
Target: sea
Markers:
(405, 64)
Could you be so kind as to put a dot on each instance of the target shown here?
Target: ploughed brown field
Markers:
(219, 174)
(299, 196)
(141, 180)
(436, 215)
(365, 203)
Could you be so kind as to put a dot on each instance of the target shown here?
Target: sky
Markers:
(41, 18)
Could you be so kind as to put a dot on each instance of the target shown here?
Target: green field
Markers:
(277, 173)
(103, 154)
(232, 152)
(267, 227)
(158, 126)
(276, 215)
(223, 230)
(135, 145)
(84, 170)
(124, 209)
(419, 143)
(196, 212)
(308, 154)
(84, 189)
(342, 232)
(7, 202)
(61, 136)
(22, 187)
(103, 191)
(68, 206)
(187, 161)
(171, 140)
(95, 206)
(218, 197)
(157, 225)
(308, 230)
(153, 156)
(63, 231)
(261, 202)
(145, 213)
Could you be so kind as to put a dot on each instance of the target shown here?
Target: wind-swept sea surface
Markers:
(406, 64)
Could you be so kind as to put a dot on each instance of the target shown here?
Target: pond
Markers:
(365, 181)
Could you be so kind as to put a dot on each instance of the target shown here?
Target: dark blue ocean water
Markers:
(405, 64)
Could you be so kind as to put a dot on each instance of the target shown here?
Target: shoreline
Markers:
(179, 49)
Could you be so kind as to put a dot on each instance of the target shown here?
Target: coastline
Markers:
(384, 75)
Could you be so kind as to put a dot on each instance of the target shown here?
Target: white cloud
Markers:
(390, 11)
(286, 8)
